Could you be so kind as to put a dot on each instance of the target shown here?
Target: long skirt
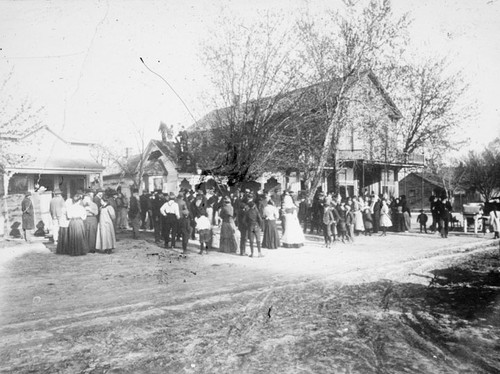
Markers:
(77, 243)
(62, 241)
(385, 221)
(91, 232)
(271, 239)
(407, 221)
(228, 242)
(293, 236)
(358, 222)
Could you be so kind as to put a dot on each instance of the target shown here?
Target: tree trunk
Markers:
(326, 151)
(327, 144)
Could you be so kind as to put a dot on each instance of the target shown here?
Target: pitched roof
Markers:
(431, 178)
(47, 152)
(128, 165)
(334, 86)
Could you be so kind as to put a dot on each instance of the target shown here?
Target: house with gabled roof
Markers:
(40, 161)
(158, 168)
(366, 161)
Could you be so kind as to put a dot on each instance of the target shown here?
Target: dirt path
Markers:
(145, 309)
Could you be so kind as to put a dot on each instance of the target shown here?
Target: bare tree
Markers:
(131, 162)
(433, 102)
(480, 172)
(15, 120)
(255, 72)
(338, 51)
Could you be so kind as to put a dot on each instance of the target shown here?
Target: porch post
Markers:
(5, 225)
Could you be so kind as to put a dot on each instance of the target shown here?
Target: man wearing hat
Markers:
(170, 212)
(98, 197)
(56, 211)
(156, 204)
(28, 218)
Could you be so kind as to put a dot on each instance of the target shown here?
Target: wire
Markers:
(168, 84)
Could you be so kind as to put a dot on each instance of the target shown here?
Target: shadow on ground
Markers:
(449, 326)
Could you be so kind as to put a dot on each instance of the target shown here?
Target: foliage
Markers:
(480, 172)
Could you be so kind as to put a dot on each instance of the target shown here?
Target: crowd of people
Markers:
(85, 222)
(237, 218)
(88, 222)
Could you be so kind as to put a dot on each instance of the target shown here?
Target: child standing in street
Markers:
(204, 229)
(341, 223)
(185, 230)
(422, 219)
(350, 220)
(368, 221)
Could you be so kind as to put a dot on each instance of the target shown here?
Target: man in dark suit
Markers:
(444, 212)
(377, 206)
(134, 213)
(253, 224)
(156, 204)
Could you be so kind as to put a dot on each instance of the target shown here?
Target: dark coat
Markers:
(28, 214)
(252, 218)
(368, 219)
(135, 208)
(444, 210)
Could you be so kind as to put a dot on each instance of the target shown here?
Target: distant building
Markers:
(40, 162)
(160, 168)
(418, 187)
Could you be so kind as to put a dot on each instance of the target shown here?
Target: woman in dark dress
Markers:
(271, 239)
(63, 237)
(77, 243)
(90, 222)
(228, 241)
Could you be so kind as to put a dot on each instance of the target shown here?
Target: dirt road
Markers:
(309, 310)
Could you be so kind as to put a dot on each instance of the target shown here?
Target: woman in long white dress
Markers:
(358, 214)
(385, 219)
(293, 236)
(106, 239)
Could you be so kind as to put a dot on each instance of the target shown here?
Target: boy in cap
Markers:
(204, 229)
(422, 219)
(184, 228)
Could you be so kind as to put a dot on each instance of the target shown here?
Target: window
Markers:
(19, 183)
(158, 183)
(412, 193)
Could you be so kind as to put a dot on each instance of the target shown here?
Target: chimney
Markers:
(128, 150)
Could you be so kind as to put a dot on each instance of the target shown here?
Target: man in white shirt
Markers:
(170, 213)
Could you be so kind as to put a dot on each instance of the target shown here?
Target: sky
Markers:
(80, 60)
